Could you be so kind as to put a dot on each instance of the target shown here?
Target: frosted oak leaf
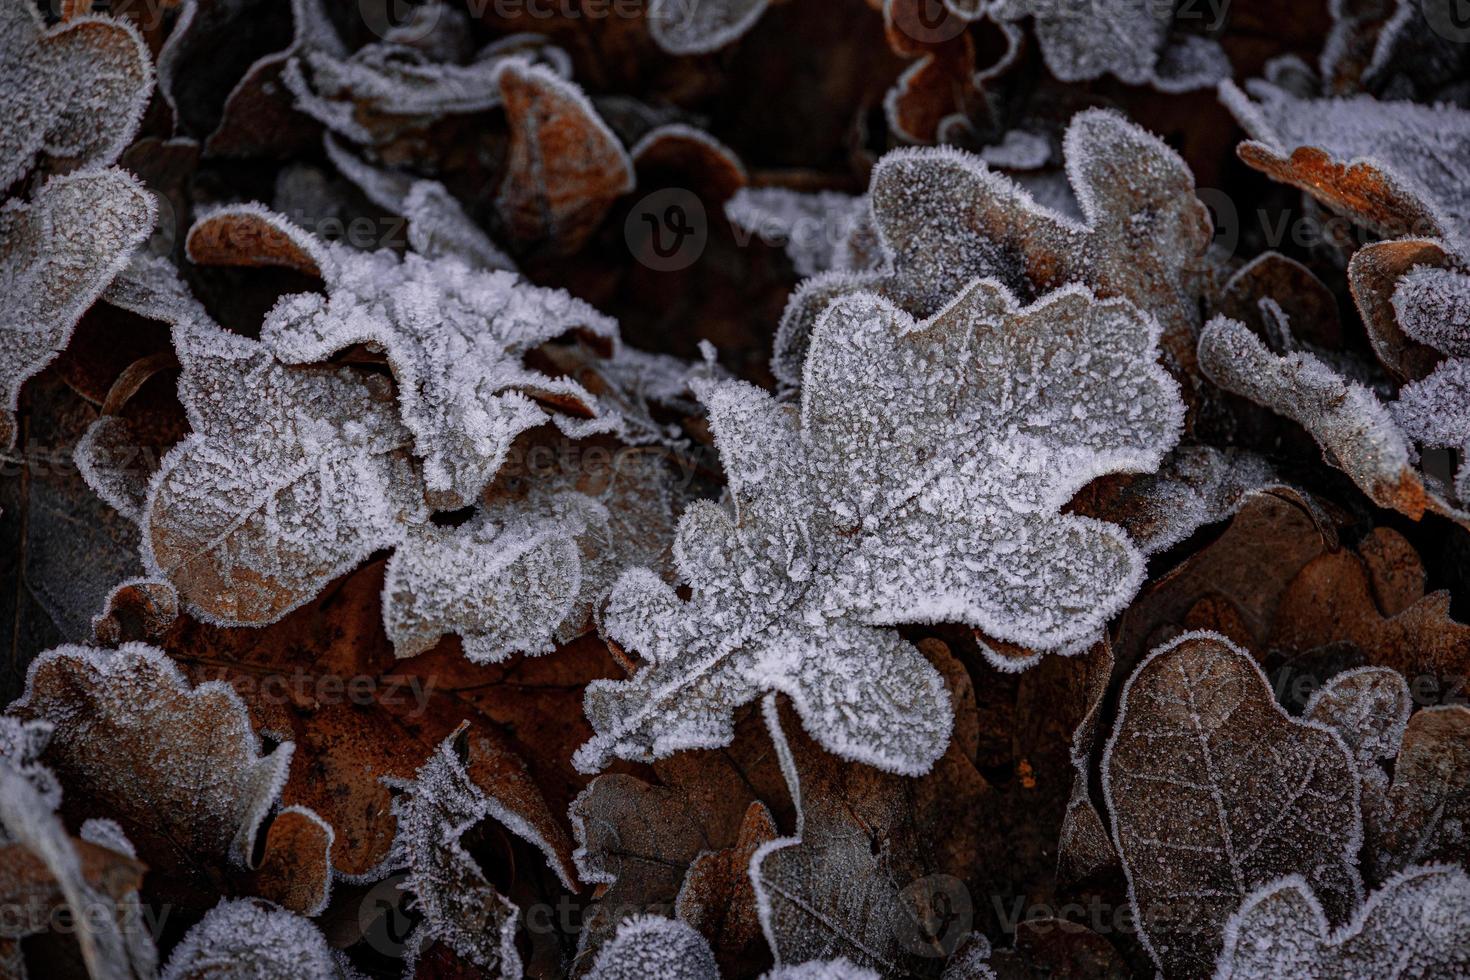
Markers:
(701, 26)
(256, 939)
(1135, 42)
(454, 336)
(73, 93)
(944, 218)
(1416, 927)
(919, 481)
(1214, 790)
(57, 254)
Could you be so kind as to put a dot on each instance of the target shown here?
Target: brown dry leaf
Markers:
(677, 155)
(640, 841)
(326, 677)
(72, 94)
(1374, 274)
(880, 868)
(177, 765)
(1272, 537)
(1330, 606)
(1214, 791)
(1427, 819)
(57, 254)
(565, 167)
(718, 900)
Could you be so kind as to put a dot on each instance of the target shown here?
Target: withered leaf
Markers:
(1214, 791)
(466, 780)
(565, 167)
(925, 468)
(454, 337)
(1428, 808)
(1414, 926)
(944, 218)
(57, 254)
(72, 94)
(177, 765)
(681, 27)
(650, 946)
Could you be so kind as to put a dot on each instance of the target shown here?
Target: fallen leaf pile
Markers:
(733, 489)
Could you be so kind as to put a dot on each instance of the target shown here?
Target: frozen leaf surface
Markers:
(290, 477)
(1368, 707)
(454, 336)
(1433, 307)
(1376, 273)
(919, 482)
(179, 766)
(57, 254)
(565, 167)
(1395, 167)
(945, 218)
(650, 946)
(249, 939)
(72, 94)
(529, 567)
(468, 780)
(1416, 927)
(1128, 40)
(1214, 790)
(701, 26)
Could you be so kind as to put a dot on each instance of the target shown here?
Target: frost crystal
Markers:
(73, 93)
(945, 218)
(1204, 763)
(1433, 307)
(1416, 927)
(454, 337)
(920, 482)
(57, 255)
(251, 939)
(650, 946)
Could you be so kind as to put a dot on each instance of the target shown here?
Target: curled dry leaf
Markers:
(1357, 432)
(1394, 167)
(57, 254)
(469, 779)
(1374, 275)
(944, 218)
(528, 569)
(565, 167)
(822, 231)
(1414, 926)
(71, 95)
(839, 511)
(177, 765)
(454, 337)
(1214, 791)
